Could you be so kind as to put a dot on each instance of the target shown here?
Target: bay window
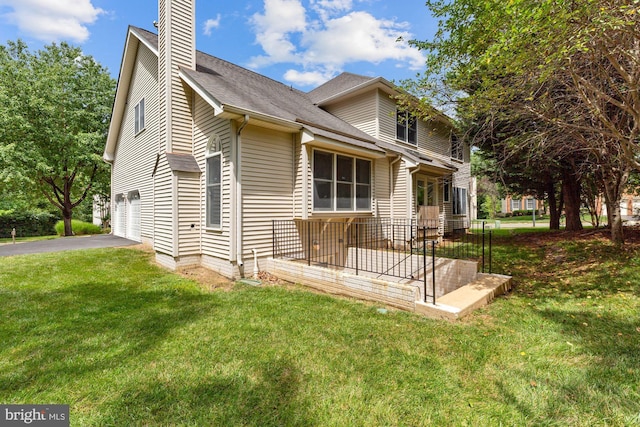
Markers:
(341, 183)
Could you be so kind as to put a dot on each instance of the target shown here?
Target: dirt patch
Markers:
(212, 281)
(208, 279)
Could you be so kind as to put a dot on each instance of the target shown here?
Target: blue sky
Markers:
(298, 42)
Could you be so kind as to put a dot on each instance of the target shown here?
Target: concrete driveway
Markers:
(65, 244)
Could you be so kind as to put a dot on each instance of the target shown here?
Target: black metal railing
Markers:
(380, 247)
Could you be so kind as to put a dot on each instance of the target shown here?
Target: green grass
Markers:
(79, 228)
(127, 343)
(6, 240)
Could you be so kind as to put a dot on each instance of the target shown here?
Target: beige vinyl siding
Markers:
(189, 220)
(433, 138)
(135, 155)
(297, 178)
(215, 243)
(360, 112)
(387, 118)
(401, 190)
(267, 186)
(163, 207)
(179, 36)
(381, 181)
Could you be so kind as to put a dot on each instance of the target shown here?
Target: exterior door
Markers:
(119, 218)
(133, 218)
(427, 209)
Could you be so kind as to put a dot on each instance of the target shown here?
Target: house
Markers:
(523, 205)
(205, 154)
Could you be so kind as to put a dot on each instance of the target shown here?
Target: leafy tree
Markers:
(54, 115)
(571, 69)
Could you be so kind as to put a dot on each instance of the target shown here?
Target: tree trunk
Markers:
(571, 194)
(613, 187)
(554, 211)
(67, 207)
(66, 218)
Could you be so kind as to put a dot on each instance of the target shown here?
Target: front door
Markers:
(427, 209)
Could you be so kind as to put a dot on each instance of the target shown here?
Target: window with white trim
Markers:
(516, 205)
(530, 204)
(340, 182)
(139, 116)
(406, 127)
(457, 147)
(459, 205)
(214, 182)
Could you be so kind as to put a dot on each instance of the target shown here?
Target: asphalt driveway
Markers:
(65, 244)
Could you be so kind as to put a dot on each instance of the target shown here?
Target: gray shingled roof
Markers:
(339, 84)
(417, 157)
(238, 87)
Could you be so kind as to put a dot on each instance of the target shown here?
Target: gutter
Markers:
(237, 220)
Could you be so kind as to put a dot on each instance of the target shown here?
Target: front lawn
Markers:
(127, 343)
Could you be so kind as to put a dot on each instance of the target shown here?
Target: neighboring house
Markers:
(205, 154)
(512, 203)
(629, 205)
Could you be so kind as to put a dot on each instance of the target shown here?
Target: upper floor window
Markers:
(446, 190)
(457, 147)
(406, 127)
(341, 183)
(139, 116)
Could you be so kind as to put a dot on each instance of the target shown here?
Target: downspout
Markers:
(238, 185)
(392, 192)
(411, 209)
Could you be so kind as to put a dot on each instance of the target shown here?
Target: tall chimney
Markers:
(176, 48)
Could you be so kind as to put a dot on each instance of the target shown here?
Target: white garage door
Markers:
(119, 218)
(133, 219)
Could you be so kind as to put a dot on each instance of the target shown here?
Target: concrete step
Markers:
(465, 299)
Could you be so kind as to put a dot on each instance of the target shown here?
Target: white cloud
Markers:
(359, 36)
(210, 24)
(280, 20)
(56, 20)
(326, 36)
(308, 78)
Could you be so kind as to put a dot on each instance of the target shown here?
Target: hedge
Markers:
(79, 228)
(27, 223)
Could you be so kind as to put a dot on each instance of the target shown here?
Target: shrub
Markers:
(27, 224)
(79, 228)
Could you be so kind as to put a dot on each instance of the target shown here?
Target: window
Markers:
(406, 129)
(530, 204)
(515, 205)
(457, 147)
(459, 201)
(446, 188)
(341, 183)
(139, 116)
(214, 183)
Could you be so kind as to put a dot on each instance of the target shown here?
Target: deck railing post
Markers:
(424, 261)
(308, 242)
(490, 253)
(433, 270)
(357, 247)
(483, 247)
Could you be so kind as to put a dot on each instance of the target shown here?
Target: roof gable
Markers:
(228, 86)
